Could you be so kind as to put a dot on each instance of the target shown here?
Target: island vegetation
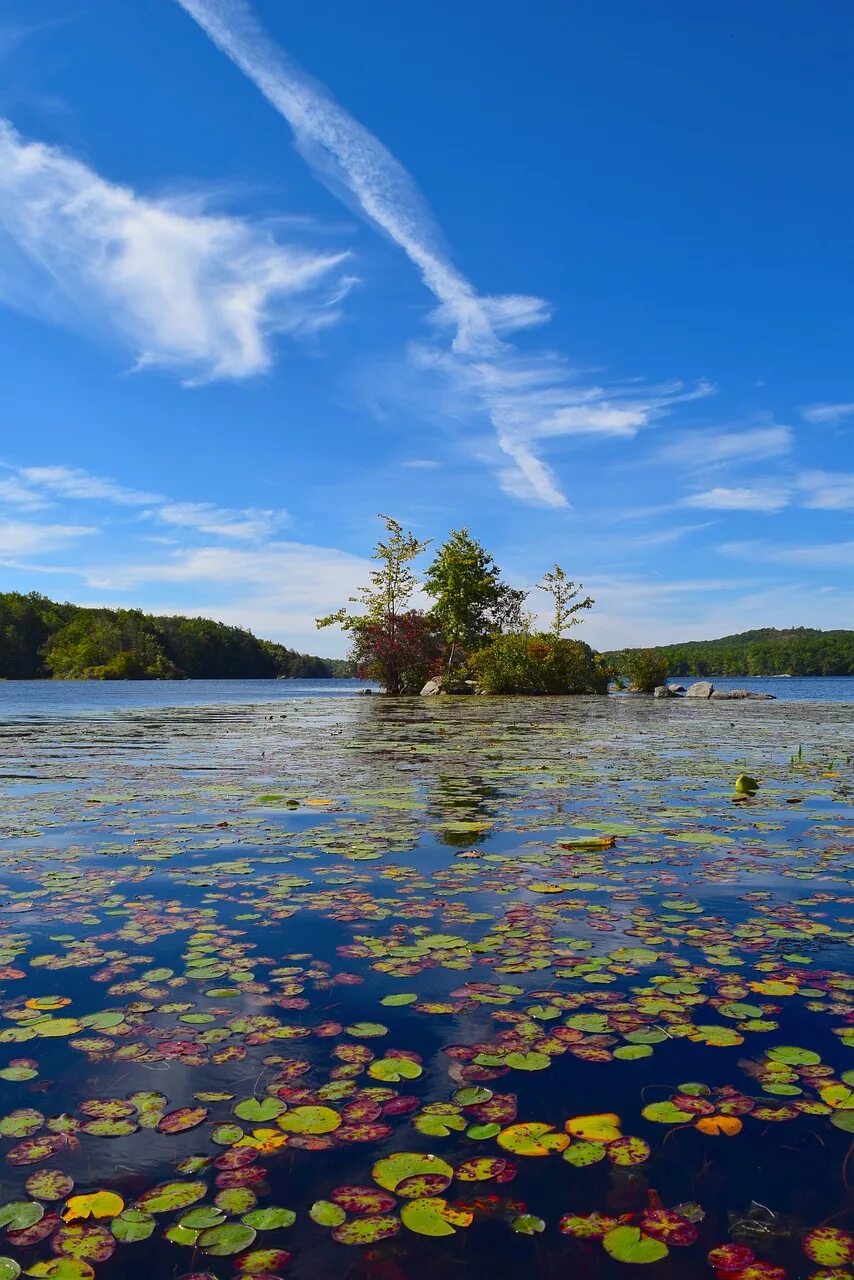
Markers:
(476, 633)
(42, 639)
(797, 651)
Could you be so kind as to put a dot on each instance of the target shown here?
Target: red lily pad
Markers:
(368, 1230)
(35, 1150)
(36, 1233)
(590, 1226)
(664, 1224)
(265, 1261)
(87, 1243)
(183, 1119)
(730, 1257)
(49, 1184)
(363, 1200)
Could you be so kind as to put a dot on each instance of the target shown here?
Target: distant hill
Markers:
(799, 651)
(42, 639)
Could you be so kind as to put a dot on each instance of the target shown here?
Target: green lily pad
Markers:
(629, 1244)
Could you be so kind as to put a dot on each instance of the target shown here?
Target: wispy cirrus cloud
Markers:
(249, 524)
(201, 293)
(527, 400)
(827, 490)
(706, 449)
(722, 498)
(76, 483)
(37, 488)
(826, 555)
(828, 412)
(23, 537)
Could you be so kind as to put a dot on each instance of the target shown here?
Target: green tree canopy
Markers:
(471, 601)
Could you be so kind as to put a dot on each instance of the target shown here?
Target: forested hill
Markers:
(800, 651)
(40, 638)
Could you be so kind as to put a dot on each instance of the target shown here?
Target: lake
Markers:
(34, 698)
(302, 984)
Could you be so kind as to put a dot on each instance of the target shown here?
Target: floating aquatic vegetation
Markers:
(564, 924)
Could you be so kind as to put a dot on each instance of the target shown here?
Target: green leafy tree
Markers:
(537, 664)
(471, 601)
(41, 638)
(645, 668)
(565, 595)
(766, 652)
(382, 633)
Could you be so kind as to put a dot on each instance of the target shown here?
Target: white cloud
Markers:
(200, 293)
(30, 487)
(74, 482)
(525, 400)
(666, 536)
(826, 555)
(700, 449)
(827, 412)
(19, 537)
(278, 590)
(249, 524)
(18, 494)
(627, 616)
(828, 490)
(726, 499)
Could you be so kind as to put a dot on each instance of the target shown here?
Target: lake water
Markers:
(28, 698)
(403, 989)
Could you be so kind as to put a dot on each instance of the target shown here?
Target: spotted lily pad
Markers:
(49, 1184)
(828, 1246)
(367, 1230)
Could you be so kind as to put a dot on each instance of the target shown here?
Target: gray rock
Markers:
(676, 688)
(664, 691)
(702, 689)
(431, 688)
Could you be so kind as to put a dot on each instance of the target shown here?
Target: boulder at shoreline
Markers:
(702, 689)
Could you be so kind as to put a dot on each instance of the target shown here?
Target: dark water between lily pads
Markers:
(488, 985)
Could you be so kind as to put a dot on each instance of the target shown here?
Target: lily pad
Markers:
(629, 1244)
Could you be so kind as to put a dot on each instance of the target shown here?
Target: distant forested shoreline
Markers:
(800, 651)
(41, 639)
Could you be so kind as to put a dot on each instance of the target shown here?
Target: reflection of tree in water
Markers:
(462, 799)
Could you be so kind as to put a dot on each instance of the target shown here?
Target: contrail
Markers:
(342, 149)
(526, 398)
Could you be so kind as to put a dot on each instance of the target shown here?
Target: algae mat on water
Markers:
(412, 988)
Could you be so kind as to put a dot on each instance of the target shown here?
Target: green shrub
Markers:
(645, 668)
(536, 664)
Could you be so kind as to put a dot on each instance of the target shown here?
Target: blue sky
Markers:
(576, 276)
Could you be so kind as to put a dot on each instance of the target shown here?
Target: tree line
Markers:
(798, 651)
(475, 632)
(42, 639)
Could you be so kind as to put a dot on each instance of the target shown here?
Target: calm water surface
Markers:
(33, 698)
(256, 950)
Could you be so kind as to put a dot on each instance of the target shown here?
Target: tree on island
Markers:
(566, 603)
(472, 604)
(392, 643)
